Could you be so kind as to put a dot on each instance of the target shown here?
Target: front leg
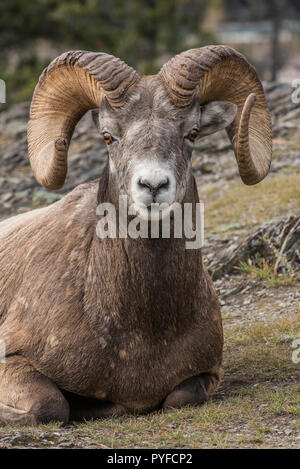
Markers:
(193, 391)
(27, 397)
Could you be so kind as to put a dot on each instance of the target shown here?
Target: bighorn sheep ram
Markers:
(97, 327)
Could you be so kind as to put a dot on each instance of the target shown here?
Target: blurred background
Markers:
(252, 233)
(144, 33)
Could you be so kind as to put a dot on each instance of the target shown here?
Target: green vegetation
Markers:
(259, 269)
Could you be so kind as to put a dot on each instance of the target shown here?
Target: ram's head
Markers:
(150, 123)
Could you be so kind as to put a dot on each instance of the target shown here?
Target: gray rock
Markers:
(277, 242)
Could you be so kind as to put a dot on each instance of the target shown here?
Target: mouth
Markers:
(153, 211)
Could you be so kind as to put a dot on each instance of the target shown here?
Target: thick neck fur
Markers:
(147, 281)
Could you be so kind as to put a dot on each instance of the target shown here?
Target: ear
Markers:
(215, 116)
(95, 117)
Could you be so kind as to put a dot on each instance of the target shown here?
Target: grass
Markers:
(249, 205)
(261, 270)
(257, 405)
(263, 350)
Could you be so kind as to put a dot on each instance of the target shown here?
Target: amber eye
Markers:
(108, 138)
(192, 135)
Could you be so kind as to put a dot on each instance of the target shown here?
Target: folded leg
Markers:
(27, 397)
(192, 391)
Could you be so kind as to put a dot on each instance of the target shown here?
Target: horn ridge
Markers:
(73, 83)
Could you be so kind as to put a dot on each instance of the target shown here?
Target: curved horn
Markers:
(221, 73)
(72, 84)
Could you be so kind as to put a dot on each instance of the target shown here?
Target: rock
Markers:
(277, 242)
(21, 438)
(5, 197)
(41, 197)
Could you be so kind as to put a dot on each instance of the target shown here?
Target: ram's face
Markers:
(150, 144)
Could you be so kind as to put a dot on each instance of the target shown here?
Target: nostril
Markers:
(144, 183)
(163, 184)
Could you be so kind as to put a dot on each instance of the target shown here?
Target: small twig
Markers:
(280, 255)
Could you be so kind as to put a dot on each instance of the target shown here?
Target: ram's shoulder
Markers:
(80, 202)
(84, 195)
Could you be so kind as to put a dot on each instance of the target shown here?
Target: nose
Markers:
(153, 182)
(154, 186)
